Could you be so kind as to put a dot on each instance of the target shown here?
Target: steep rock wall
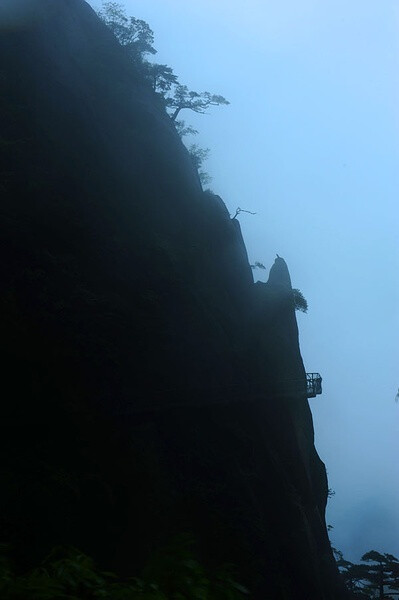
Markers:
(146, 373)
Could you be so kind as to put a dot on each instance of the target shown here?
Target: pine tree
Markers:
(381, 574)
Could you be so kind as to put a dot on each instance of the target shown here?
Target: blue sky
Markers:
(310, 143)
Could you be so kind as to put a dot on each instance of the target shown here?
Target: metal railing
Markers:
(313, 385)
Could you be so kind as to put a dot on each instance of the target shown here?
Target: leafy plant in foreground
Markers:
(68, 574)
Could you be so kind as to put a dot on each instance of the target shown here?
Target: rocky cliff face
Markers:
(153, 389)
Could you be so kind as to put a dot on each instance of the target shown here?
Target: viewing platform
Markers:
(313, 385)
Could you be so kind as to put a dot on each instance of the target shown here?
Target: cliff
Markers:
(152, 388)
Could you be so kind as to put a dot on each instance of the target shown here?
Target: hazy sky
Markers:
(311, 143)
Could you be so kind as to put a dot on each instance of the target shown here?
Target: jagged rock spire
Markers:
(279, 274)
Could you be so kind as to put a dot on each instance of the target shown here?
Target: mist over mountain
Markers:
(153, 389)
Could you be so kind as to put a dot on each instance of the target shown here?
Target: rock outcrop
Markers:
(152, 388)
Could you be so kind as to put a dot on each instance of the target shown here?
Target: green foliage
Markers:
(300, 302)
(183, 129)
(198, 156)
(68, 574)
(195, 101)
(373, 556)
(137, 38)
(377, 579)
(381, 573)
(161, 77)
(258, 265)
(135, 35)
(181, 576)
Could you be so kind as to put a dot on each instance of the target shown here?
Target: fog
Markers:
(310, 143)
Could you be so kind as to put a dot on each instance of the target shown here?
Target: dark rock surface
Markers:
(150, 388)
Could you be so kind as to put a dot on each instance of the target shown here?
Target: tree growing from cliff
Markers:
(300, 302)
(199, 102)
(136, 36)
(258, 265)
(198, 156)
(242, 210)
(161, 77)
